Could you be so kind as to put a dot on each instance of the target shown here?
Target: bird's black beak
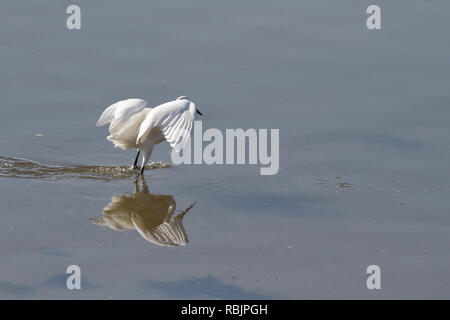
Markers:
(198, 112)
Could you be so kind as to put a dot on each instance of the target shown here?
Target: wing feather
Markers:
(178, 134)
(120, 112)
(174, 119)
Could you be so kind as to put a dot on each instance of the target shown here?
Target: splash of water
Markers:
(22, 168)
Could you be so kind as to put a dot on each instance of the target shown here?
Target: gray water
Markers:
(364, 150)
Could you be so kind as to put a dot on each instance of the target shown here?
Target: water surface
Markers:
(364, 150)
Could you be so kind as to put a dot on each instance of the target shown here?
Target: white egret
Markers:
(135, 126)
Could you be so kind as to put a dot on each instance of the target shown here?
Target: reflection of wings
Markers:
(116, 214)
(169, 233)
(150, 214)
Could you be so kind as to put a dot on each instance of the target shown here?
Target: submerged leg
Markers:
(136, 160)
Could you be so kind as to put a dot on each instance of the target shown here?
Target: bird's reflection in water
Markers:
(150, 214)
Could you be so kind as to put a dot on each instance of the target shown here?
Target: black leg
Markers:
(142, 170)
(136, 160)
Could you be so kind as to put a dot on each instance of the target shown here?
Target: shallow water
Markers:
(364, 157)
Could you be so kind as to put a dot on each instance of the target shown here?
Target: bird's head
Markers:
(186, 98)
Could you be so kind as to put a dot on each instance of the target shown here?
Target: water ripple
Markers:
(22, 168)
(334, 182)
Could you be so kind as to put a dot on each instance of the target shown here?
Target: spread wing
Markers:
(174, 119)
(120, 112)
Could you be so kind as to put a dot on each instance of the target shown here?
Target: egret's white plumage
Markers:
(132, 125)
